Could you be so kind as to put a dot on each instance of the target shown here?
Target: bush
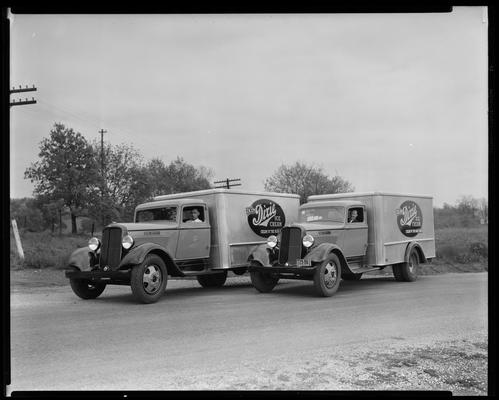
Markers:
(462, 245)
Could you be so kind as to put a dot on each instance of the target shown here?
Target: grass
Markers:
(458, 250)
(44, 249)
(462, 245)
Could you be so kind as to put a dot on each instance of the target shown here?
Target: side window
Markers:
(355, 214)
(193, 214)
(168, 214)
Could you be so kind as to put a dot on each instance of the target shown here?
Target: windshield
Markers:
(163, 214)
(322, 214)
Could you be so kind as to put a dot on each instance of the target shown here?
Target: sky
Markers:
(389, 102)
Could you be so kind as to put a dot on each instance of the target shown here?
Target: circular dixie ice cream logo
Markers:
(265, 217)
(409, 218)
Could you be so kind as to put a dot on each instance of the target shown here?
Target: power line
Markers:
(60, 109)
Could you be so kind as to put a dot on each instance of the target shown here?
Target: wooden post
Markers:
(18, 240)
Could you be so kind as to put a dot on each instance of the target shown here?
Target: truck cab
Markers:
(346, 235)
(343, 223)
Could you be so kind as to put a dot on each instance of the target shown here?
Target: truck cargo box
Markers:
(394, 220)
(241, 220)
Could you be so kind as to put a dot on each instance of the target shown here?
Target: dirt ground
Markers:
(458, 364)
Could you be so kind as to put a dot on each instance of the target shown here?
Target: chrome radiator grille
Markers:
(110, 254)
(291, 245)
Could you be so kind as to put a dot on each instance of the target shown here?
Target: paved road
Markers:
(232, 337)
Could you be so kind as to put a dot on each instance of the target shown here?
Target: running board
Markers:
(363, 270)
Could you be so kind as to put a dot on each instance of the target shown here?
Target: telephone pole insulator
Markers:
(20, 90)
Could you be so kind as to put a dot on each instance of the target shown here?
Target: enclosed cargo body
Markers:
(394, 220)
(241, 220)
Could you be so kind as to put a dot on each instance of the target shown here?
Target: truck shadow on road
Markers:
(291, 288)
(306, 288)
(173, 293)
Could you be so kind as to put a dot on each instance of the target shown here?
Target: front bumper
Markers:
(283, 271)
(121, 276)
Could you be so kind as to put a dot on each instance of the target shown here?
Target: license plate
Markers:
(303, 263)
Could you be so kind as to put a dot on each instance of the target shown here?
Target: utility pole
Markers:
(102, 131)
(227, 183)
(22, 102)
(103, 183)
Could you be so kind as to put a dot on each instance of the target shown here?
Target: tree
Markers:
(121, 185)
(483, 210)
(27, 214)
(178, 176)
(305, 180)
(66, 170)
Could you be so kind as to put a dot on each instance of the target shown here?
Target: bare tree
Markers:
(305, 180)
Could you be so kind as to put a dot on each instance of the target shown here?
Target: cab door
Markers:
(355, 237)
(194, 236)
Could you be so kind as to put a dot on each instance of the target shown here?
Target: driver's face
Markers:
(195, 214)
(354, 214)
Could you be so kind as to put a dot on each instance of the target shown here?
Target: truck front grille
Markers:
(110, 254)
(291, 245)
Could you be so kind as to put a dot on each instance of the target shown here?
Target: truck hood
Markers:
(319, 226)
(141, 226)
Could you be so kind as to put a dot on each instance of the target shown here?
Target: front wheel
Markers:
(86, 289)
(327, 276)
(212, 280)
(148, 280)
(264, 282)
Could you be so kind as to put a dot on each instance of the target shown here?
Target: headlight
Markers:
(272, 241)
(93, 243)
(308, 240)
(127, 242)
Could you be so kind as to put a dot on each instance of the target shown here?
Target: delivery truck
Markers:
(202, 233)
(343, 236)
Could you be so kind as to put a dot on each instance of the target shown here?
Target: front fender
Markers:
(319, 253)
(263, 255)
(80, 258)
(137, 254)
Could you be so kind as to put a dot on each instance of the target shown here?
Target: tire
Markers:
(264, 282)
(354, 277)
(148, 280)
(86, 289)
(212, 280)
(397, 273)
(409, 270)
(327, 276)
(240, 271)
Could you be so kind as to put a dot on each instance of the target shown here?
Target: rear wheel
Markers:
(327, 276)
(148, 280)
(86, 289)
(396, 268)
(264, 282)
(409, 270)
(212, 280)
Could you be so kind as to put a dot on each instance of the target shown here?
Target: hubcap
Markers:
(151, 279)
(330, 275)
